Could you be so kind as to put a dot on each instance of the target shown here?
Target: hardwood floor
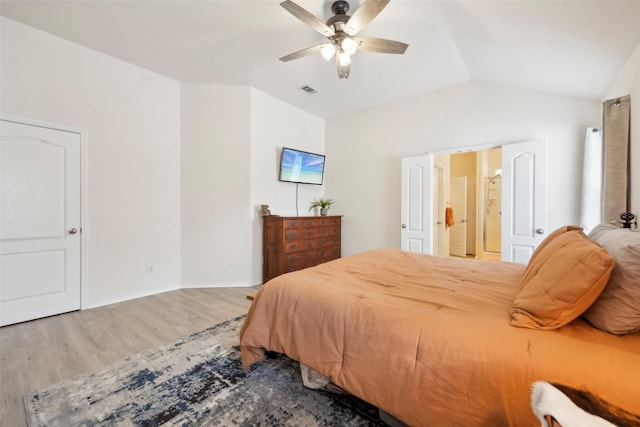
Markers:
(42, 352)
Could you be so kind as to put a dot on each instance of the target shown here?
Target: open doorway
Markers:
(520, 204)
(472, 191)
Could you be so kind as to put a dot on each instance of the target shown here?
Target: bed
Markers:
(444, 341)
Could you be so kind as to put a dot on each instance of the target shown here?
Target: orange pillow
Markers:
(547, 240)
(561, 282)
(551, 237)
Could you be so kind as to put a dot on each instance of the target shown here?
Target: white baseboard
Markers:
(190, 286)
(130, 297)
(217, 285)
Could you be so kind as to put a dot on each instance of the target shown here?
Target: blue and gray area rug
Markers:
(195, 381)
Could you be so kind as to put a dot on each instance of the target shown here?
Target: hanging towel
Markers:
(448, 216)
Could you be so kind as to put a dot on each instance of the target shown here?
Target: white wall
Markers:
(364, 150)
(628, 83)
(133, 121)
(275, 124)
(215, 157)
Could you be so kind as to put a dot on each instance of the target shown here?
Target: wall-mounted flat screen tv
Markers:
(301, 167)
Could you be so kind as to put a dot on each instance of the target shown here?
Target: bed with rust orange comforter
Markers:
(428, 340)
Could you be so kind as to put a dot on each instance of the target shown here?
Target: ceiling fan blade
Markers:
(307, 18)
(380, 45)
(302, 53)
(365, 14)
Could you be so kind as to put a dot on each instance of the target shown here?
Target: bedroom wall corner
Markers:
(132, 117)
(215, 172)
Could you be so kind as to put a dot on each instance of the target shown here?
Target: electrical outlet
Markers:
(151, 268)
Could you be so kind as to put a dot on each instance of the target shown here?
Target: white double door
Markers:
(523, 198)
(40, 226)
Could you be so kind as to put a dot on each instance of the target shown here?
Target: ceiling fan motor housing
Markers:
(338, 23)
(339, 20)
(340, 7)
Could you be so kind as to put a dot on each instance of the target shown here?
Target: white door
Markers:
(416, 211)
(40, 225)
(523, 199)
(438, 211)
(458, 201)
(472, 194)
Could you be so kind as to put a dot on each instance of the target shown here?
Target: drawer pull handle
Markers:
(292, 246)
(292, 258)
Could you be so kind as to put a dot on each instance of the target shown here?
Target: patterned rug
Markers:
(195, 381)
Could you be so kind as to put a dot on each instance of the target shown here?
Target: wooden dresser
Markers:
(292, 243)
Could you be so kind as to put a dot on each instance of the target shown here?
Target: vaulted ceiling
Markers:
(568, 47)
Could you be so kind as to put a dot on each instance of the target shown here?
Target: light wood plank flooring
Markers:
(42, 352)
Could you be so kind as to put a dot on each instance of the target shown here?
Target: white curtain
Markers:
(591, 212)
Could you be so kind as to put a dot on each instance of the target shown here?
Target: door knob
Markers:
(72, 231)
(404, 225)
(539, 231)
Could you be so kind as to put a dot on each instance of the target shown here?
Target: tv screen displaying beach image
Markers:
(302, 167)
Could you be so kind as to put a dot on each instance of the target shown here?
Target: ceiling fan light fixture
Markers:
(327, 51)
(341, 30)
(344, 58)
(343, 72)
(349, 45)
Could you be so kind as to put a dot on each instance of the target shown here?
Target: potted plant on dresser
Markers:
(323, 204)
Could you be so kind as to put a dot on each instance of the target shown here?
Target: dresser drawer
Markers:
(299, 260)
(328, 231)
(292, 223)
(328, 221)
(291, 246)
(328, 241)
(309, 222)
(328, 253)
(299, 233)
(309, 233)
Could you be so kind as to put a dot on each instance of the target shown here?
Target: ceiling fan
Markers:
(340, 29)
